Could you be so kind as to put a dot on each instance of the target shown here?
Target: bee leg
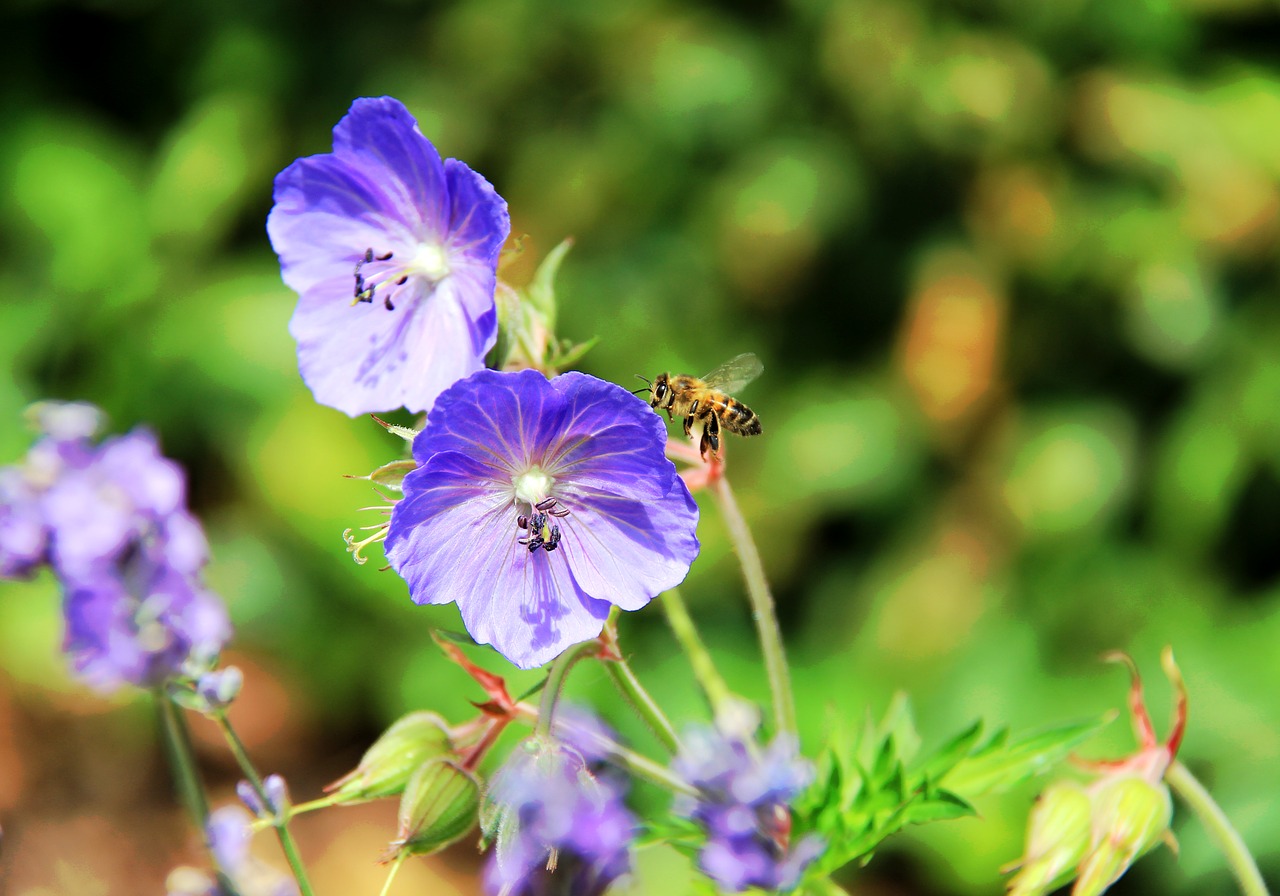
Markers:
(688, 426)
(710, 436)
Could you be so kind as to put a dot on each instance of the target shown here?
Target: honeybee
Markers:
(705, 400)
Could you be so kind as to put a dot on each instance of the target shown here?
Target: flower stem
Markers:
(1221, 832)
(775, 658)
(640, 699)
(177, 743)
(287, 844)
(556, 676)
(704, 669)
(391, 875)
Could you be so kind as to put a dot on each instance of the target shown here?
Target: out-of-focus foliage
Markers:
(1011, 268)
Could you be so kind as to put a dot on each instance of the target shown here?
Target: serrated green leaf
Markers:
(1000, 764)
(941, 806)
(953, 751)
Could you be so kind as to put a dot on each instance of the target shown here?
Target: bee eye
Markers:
(660, 390)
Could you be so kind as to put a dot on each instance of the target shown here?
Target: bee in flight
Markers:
(706, 400)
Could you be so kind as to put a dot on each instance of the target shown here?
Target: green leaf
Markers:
(999, 764)
(541, 291)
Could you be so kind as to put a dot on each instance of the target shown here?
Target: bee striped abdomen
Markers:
(739, 418)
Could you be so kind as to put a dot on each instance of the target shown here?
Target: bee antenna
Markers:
(647, 381)
(648, 384)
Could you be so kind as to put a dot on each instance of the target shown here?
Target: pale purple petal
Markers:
(425, 234)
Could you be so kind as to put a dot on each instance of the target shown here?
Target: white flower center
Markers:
(532, 486)
(431, 262)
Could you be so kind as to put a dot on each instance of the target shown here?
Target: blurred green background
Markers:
(1011, 268)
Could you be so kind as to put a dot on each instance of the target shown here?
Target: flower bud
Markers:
(387, 766)
(221, 687)
(1058, 836)
(440, 803)
(1131, 815)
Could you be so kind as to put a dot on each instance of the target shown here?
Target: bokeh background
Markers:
(1011, 268)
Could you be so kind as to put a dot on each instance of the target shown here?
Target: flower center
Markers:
(430, 262)
(532, 486)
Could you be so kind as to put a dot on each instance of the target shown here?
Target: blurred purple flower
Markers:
(394, 255)
(536, 506)
(111, 520)
(743, 807)
(228, 831)
(558, 828)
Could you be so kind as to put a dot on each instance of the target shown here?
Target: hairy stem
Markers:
(556, 676)
(704, 669)
(280, 820)
(1221, 832)
(775, 658)
(624, 678)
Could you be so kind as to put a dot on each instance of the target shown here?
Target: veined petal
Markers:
(454, 538)
(360, 358)
(379, 137)
(625, 551)
(326, 214)
(506, 417)
(478, 217)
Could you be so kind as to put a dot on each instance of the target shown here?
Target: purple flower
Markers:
(742, 806)
(559, 828)
(228, 833)
(23, 537)
(111, 520)
(536, 506)
(394, 254)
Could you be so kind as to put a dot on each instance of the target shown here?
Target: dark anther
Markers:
(550, 505)
(554, 540)
(403, 280)
(386, 257)
(522, 522)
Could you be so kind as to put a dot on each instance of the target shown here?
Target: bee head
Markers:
(661, 392)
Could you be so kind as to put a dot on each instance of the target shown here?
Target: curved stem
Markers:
(280, 820)
(775, 658)
(1221, 832)
(704, 669)
(556, 676)
(624, 678)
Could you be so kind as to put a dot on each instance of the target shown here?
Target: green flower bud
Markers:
(440, 804)
(386, 767)
(1131, 815)
(1059, 832)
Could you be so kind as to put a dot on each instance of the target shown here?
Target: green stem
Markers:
(775, 658)
(391, 875)
(280, 820)
(704, 669)
(640, 699)
(1223, 835)
(177, 743)
(556, 676)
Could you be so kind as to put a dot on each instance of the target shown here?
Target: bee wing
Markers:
(735, 373)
